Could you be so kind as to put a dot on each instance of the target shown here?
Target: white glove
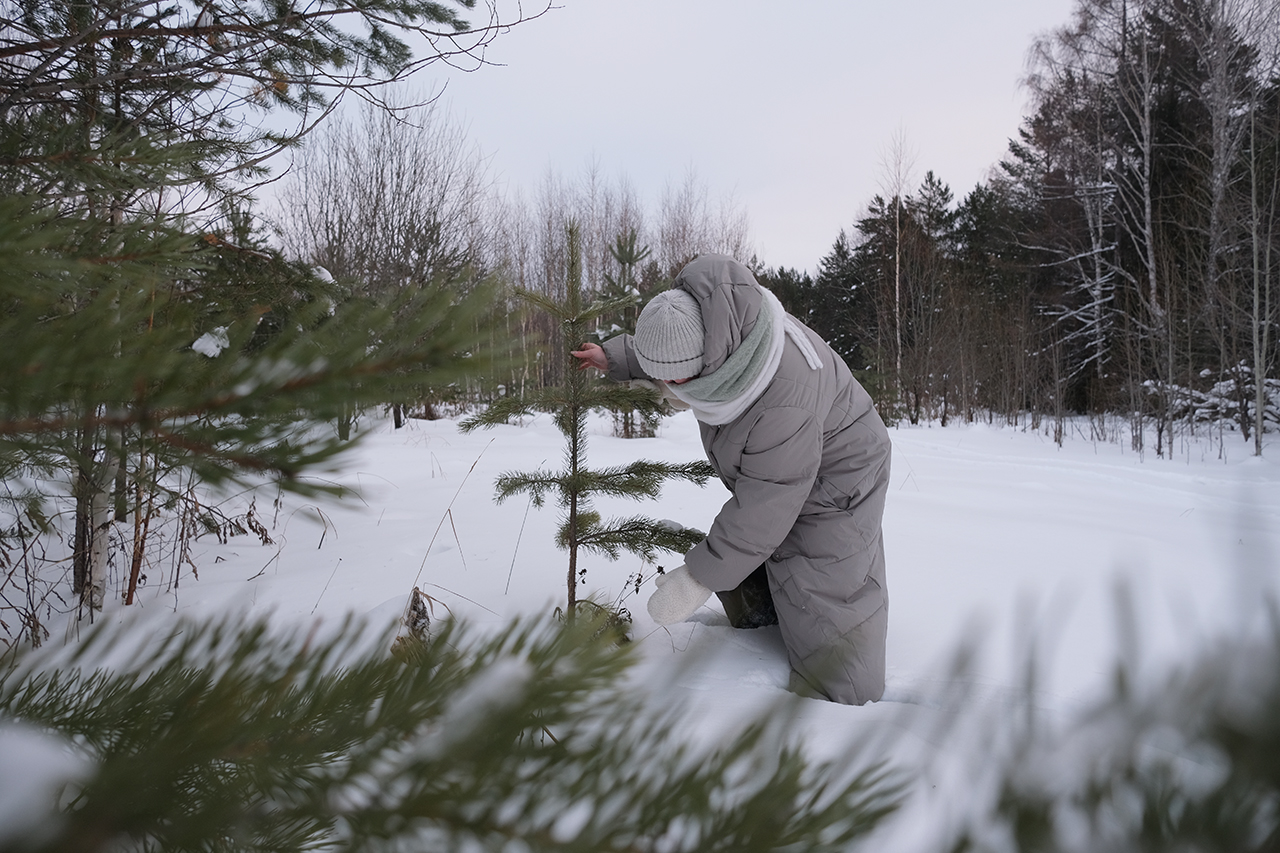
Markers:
(678, 595)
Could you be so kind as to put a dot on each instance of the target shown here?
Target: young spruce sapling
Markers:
(582, 528)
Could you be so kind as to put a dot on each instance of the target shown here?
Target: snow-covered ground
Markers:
(995, 537)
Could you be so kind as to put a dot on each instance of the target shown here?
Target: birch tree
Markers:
(397, 200)
(1264, 237)
(689, 224)
(896, 166)
(392, 200)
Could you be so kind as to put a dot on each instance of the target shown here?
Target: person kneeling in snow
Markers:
(801, 448)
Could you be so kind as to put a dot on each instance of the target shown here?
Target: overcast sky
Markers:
(792, 115)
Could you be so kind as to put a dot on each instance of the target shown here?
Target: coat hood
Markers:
(730, 301)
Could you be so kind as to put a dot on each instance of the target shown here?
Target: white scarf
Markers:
(716, 413)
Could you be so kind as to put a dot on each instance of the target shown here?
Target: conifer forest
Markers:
(1119, 263)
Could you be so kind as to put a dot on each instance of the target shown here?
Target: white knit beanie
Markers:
(669, 337)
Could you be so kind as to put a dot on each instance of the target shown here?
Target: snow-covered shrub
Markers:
(1222, 402)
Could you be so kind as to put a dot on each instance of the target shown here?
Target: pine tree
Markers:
(582, 527)
(191, 78)
(127, 131)
(107, 372)
(238, 737)
(99, 325)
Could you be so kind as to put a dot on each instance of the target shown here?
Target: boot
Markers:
(750, 603)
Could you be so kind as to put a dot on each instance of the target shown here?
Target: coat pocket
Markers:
(827, 496)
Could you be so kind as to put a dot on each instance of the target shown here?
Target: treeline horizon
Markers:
(1119, 264)
(1120, 261)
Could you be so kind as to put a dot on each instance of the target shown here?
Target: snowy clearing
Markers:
(1046, 560)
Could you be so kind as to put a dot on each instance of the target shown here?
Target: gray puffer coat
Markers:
(808, 468)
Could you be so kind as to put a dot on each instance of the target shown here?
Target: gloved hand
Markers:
(678, 595)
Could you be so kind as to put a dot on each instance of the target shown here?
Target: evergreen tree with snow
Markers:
(237, 736)
(581, 527)
(148, 337)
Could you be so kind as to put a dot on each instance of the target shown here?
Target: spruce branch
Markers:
(644, 478)
(554, 399)
(617, 397)
(535, 484)
(572, 532)
(499, 412)
(638, 535)
(502, 410)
